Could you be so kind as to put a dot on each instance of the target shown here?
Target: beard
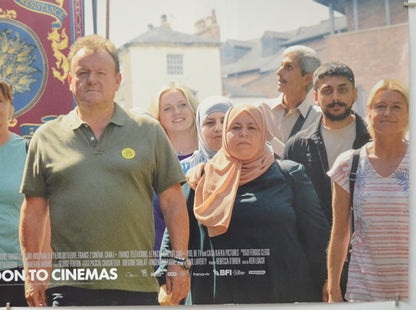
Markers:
(340, 117)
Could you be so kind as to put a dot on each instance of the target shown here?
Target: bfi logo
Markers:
(223, 272)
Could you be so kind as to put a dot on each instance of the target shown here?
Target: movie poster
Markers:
(35, 37)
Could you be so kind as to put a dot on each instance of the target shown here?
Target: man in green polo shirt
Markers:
(91, 175)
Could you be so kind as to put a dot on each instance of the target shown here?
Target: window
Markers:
(175, 64)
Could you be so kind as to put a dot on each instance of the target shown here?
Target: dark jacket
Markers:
(279, 215)
(307, 148)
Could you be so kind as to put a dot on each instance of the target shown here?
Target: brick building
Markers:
(376, 44)
(372, 38)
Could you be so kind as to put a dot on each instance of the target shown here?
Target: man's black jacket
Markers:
(307, 148)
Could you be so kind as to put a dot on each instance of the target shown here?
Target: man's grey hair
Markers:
(308, 59)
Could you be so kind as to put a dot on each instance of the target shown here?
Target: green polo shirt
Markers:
(100, 197)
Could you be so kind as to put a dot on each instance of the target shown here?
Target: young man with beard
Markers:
(336, 131)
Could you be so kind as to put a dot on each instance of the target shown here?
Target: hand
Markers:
(35, 293)
(177, 283)
(335, 296)
(325, 296)
(164, 299)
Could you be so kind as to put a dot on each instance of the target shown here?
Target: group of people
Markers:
(244, 203)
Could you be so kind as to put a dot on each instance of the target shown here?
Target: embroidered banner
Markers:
(35, 37)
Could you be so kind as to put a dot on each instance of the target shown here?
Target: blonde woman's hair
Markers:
(154, 108)
(388, 84)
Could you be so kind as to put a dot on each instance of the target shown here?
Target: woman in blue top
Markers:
(12, 162)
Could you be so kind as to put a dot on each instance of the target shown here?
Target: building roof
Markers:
(234, 91)
(316, 31)
(338, 5)
(251, 61)
(161, 35)
(243, 44)
(254, 61)
(278, 35)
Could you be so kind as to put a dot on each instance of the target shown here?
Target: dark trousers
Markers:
(75, 296)
(13, 292)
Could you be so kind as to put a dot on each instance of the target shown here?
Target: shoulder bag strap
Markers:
(353, 177)
(299, 123)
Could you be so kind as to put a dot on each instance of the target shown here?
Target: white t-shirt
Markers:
(338, 141)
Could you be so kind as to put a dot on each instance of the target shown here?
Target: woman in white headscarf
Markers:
(209, 122)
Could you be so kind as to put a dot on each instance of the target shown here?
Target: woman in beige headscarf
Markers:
(257, 231)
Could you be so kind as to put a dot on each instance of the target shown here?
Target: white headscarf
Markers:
(205, 108)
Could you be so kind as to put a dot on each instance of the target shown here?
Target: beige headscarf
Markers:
(216, 189)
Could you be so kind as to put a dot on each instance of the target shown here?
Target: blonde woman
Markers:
(174, 106)
(378, 268)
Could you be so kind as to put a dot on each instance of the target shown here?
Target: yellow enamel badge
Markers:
(128, 153)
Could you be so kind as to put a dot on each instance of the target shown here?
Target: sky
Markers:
(238, 19)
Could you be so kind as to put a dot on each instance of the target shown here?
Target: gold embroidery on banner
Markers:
(16, 61)
(58, 37)
(28, 129)
(60, 42)
(13, 122)
(8, 14)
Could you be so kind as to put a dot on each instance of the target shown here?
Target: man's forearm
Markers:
(34, 228)
(173, 205)
(35, 237)
(174, 210)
